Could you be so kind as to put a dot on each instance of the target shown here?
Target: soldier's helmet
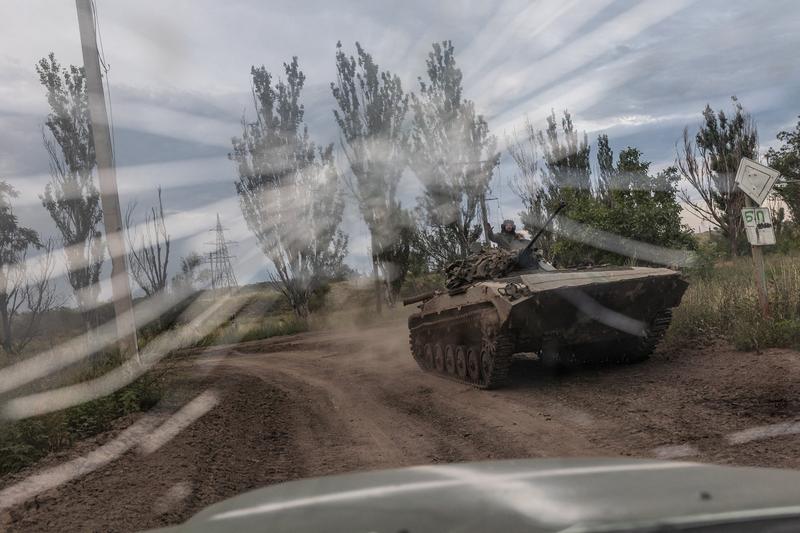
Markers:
(508, 226)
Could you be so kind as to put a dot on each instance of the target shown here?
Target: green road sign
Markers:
(758, 225)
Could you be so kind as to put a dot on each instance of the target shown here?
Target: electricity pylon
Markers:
(222, 274)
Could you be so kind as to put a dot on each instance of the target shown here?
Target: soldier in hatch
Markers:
(508, 238)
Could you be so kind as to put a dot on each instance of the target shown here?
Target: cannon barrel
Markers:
(419, 297)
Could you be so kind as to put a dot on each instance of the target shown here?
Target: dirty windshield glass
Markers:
(249, 243)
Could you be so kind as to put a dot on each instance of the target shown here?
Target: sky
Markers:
(639, 71)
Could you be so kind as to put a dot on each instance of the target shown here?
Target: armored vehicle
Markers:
(499, 303)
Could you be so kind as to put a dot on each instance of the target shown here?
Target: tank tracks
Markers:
(646, 345)
(470, 348)
(623, 351)
(467, 347)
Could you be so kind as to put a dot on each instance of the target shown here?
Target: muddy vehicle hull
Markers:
(565, 316)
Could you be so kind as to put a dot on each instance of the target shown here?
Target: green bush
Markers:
(25, 441)
(788, 238)
(762, 333)
(704, 261)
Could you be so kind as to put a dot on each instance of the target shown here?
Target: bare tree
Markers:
(148, 248)
(71, 197)
(15, 240)
(35, 295)
(12, 297)
(19, 286)
(709, 162)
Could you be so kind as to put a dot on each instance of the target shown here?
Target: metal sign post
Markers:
(759, 270)
(756, 181)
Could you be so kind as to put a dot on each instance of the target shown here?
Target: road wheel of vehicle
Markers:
(418, 351)
(474, 364)
(438, 358)
(461, 362)
(496, 352)
(450, 359)
(428, 357)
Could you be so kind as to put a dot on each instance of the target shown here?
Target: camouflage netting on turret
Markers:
(488, 263)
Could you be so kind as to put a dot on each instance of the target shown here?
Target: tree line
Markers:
(437, 134)
(292, 191)
(72, 200)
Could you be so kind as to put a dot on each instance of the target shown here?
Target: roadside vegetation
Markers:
(721, 304)
(23, 442)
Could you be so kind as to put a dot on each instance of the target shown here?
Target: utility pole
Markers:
(109, 197)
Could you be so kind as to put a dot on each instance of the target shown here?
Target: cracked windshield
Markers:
(399, 266)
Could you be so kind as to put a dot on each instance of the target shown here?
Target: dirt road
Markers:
(334, 402)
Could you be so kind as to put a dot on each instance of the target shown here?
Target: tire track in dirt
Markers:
(376, 394)
(348, 427)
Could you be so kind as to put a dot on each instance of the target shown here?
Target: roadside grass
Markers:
(251, 329)
(721, 302)
(262, 313)
(23, 442)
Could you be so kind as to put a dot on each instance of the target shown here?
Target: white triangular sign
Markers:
(755, 180)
